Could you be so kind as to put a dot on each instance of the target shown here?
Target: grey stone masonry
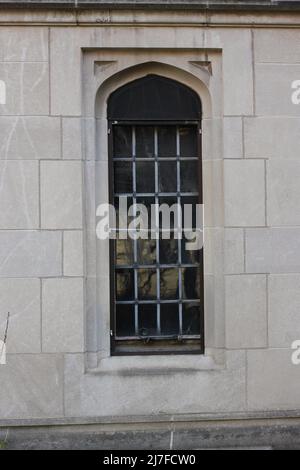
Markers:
(59, 67)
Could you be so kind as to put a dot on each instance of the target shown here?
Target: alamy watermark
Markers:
(295, 358)
(141, 221)
(295, 97)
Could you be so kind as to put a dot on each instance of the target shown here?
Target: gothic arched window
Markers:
(155, 158)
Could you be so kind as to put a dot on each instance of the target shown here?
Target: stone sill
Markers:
(156, 365)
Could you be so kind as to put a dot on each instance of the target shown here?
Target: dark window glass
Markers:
(123, 177)
(122, 142)
(124, 252)
(167, 177)
(125, 284)
(146, 251)
(144, 137)
(125, 320)
(189, 256)
(146, 284)
(145, 177)
(147, 201)
(154, 98)
(190, 318)
(189, 176)
(191, 283)
(169, 319)
(169, 284)
(167, 141)
(188, 142)
(147, 320)
(168, 251)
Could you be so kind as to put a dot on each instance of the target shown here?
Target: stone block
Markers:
(233, 137)
(272, 137)
(284, 310)
(71, 138)
(30, 253)
(244, 186)
(73, 253)
(273, 250)
(62, 315)
(283, 195)
(273, 90)
(234, 251)
(31, 386)
(246, 311)
(21, 297)
(29, 137)
(273, 381)
(61, 195)
(27, 88)
(19, 195)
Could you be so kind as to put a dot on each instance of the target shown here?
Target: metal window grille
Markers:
(156, 283)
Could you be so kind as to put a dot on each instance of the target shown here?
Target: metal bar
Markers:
(179, 238)
(152, 266)
(136, 312)
(194, 194)
(157, 225)
(165, 301)
(167, 122)
(136, 265)
(179, 338)
(152, 159)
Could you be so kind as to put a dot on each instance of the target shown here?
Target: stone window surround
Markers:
(103, 71)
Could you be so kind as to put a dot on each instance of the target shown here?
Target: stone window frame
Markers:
(103, 71)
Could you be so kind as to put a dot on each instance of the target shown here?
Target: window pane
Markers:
(190, 318)
(123, 177)
(168, 177)
(168, 251)
(147, 201)
(124, 284)
(191, 283)
(144, 138)
(189, 177)
(124, 252)
(125, 325)
(145, 177)
(146, 251)
(167, 141)
(147, 320)
(169, 319)
(122, 141)
(188, 141)
(169, 284)
(146, 284)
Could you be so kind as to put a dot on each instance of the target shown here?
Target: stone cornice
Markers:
(204, 5)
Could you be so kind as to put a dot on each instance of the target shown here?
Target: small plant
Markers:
(3, 443)
(3, 343)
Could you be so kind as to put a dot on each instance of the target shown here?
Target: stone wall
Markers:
(53, 165)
